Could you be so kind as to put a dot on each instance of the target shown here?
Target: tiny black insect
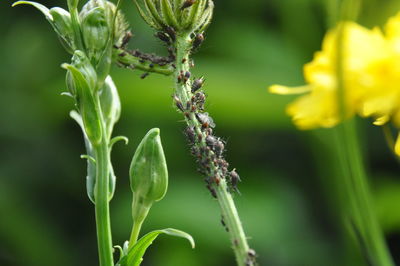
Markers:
(235, 178)
(187, 3)
(190, 134)
(198, 40)
(205, 120)
(126, 39)
(178, 103)
(144, 75)
(163, 37)
(197, 84)
(171, 32)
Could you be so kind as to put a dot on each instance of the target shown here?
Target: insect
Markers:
(198, 40)
(205, 120)
(197, 84)
(144, 75)
(126, 39)
(190, 134)
(178, 103)
(163, 37)
(235, 179)
(187, 3)
(171, 32)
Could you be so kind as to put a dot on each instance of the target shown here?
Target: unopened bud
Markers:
(148, 171)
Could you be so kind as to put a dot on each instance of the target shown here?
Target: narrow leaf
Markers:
(38, 6)
(134, 257)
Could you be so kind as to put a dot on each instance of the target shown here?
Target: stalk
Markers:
(361, 212)
(102, 209)
(216, 176)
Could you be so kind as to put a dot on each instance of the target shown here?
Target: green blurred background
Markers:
(288, 200)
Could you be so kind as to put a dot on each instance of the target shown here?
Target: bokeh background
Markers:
(288, 202)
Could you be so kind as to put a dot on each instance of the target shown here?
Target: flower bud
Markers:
(110, 104)
(183, 16)
(95, 30)
(148, 171)
(83, 83)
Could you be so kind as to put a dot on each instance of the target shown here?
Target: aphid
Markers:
(122, 54)
(189, 132)
(178, 103)
(212, 190)
(211, 141)
(187, 3)
(163, 37)
(144, 75)
(251, 253)
(197, 84)
(151, 65)
(188, 106)
(180, 77)
(184, 60)
(142, 60)
(205, 120)
(126, 39)
(217, 180)
(198, 40)
(186, 76)
(219, 148)
(235, 178)
(187, 115)
(171, 32)
(124, 64)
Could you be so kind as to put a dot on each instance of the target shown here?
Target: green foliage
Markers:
(133, 256)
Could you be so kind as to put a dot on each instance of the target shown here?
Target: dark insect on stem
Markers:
(144, 75)
(205, 120)
(197, 84)
(163, 37)
(186, 76)
(187, 3)
(171, 32)
(126, 39)
(219, 148)
(211, 141)
(178, 103)
(234, 179)
(198, 40)
(212, 190)
(190, 134)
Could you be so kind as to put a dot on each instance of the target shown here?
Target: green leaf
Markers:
(135, 254)
(38, 6)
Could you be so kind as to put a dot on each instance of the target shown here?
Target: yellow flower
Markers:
(365, 56)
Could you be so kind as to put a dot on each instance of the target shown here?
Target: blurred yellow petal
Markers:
(283, 90)
(380, 121)
(397, 146)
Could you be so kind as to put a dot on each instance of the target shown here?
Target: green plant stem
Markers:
(225, 200)
(361, 211)
(139, 215)
(128, 60)
(103, 224)
(231, 218)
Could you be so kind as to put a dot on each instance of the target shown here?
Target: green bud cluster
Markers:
(89, 35)
(181, 16)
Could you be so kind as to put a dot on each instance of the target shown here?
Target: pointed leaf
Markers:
(38, 6)
(135, 254)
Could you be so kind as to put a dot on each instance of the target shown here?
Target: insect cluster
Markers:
(145, 60)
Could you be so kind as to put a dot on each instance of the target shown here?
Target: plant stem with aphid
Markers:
(216, 176)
